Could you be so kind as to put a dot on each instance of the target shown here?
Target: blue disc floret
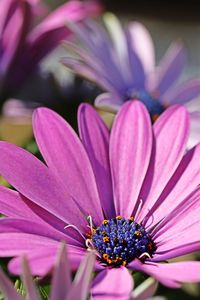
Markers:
(120, 240)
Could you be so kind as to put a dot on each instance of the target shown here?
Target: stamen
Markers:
(138, 209)
(144, 255)
(75, 228)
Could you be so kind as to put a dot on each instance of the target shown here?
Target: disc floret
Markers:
(120, 240)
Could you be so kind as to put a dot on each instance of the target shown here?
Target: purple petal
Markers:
(170, 68)
(38, 183)
(188, 91)
(130, 160)
(7, 288)
(81, 284)
(95, 137)
(183, 182)
(112, 284)
(171, 274)
(142, 44)
(61, 282)
(166, 154)
(31, 290)
(67, 158)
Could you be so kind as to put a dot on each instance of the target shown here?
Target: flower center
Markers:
(151, 102)
(120, 240)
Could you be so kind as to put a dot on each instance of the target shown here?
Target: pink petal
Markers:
(183, 182)
(61, 282)
(38, 183)
(57, 142)
(194, 137)
(166, 155)
(170, 68)
(42, 260)
(95, 137)
(130, 159)
(112, 284)
(143, 45)
(170, 274)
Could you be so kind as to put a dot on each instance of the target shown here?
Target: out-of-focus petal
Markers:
(95, 137)
(145, 290)
(130, 159)
(81, 284)
(142, 44)
(61, 282)
(108, 102)
(194, 137)
(31, 290)
(7, 288)
(112, 284)
(170, 68)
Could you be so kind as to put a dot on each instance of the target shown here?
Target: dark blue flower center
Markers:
(120, 240)
(151, 102)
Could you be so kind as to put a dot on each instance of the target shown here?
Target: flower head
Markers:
(130, 195)
(23, 45)
(62, 286)
(122, 62)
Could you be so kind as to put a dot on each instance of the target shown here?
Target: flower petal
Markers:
(170, 68)
(130, 160)
(81, 283)
(31, 290)
(194, 137)
(61, 282)
(67, 158)
(7, 288)
(142, 44)
(38, 183)
(108, 102)
(145, 290)
(166, 155)
(112, 284)
(170, 274)
(42, 260)
(188, 91)
(95, 137)
(183, 182)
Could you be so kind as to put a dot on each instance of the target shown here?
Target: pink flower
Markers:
(23, 45)
(131, 194)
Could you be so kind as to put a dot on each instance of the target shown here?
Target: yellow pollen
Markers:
(105, 256)
(131, 219)
(137, 233)
(118, 217)
(105, 222)
(106, 239)
(124, 263)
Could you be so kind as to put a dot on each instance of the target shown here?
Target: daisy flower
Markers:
(131, 195)
(122, 62)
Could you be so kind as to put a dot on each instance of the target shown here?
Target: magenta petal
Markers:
(170, 68)
(42, 260)
(72, 167)
(130, 159)
(170, 274)
(37, 182)
(95, 137)
(183, 182)
(166, 155)
(112, 284)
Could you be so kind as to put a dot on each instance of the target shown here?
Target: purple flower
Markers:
(122, 62)
(62, 287)
(23, 45)
(132, 195)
